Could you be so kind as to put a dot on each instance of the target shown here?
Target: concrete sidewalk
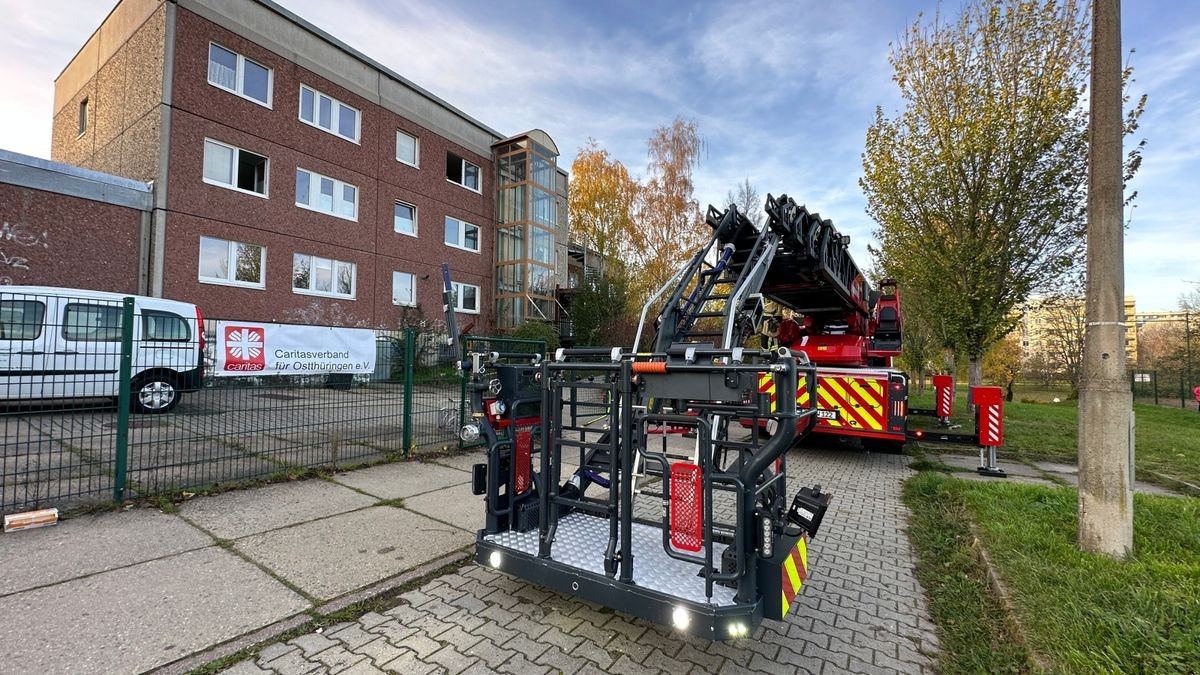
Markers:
(1046, 474)
(140, 589)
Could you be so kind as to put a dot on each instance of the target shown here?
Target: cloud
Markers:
(40, 39)
(783, 91)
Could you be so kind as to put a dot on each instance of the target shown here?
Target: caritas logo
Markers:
(245, 349)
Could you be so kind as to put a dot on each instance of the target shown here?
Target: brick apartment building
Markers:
(295, 179)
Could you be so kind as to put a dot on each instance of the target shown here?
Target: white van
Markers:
(58, 343)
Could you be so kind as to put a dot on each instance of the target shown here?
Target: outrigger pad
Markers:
(687, 507)
(808, 508)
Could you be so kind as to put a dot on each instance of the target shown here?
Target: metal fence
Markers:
(1163, 387)
(102, 400)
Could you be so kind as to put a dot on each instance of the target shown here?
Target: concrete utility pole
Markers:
(1105, 401)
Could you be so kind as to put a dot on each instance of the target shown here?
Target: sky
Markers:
(783, 91)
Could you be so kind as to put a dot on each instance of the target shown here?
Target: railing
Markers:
(102, 400)
(616, 444)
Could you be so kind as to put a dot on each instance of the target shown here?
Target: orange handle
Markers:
(650, 366)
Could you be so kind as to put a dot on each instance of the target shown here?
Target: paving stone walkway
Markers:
(861, 611)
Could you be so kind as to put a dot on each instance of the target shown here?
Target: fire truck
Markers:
(851, 333)
(637, 478)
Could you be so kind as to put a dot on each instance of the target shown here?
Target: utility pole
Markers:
(1105, 401)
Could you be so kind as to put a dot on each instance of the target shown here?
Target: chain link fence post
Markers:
(123, 401)
(410, 354)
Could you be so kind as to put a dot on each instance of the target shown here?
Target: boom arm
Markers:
(799, 261)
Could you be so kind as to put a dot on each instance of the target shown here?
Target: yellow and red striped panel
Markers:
(794, 572)
(860, 401)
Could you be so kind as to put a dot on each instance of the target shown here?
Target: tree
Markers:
(748, 202)
(1063, 337)
(1038, 369)
(597, 307)
(668, 225)
(601, 202)
(1002, 364)
(1162, 347)
(978, 184)
(923, 342)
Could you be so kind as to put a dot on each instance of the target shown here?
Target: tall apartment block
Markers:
(296, 179)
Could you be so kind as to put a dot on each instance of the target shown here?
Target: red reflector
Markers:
(687, 507)
(521, 460)
(200, 329)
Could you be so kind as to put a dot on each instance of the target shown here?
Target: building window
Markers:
(404, 219)
(325, 194)
(232, 167)
(321, 276)
(92, 323)
(328, 113)
(466, 297)
(232, 263)
(237, 74)
(408, 149)
(460, 234)
(459, 170)
(404, 289)
(83, 116)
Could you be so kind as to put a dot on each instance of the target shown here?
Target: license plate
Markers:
(827, 414)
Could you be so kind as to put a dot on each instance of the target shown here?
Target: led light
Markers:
(494, 560)
(768, 539)
(469, 433)
(680, 618)
(738, 630)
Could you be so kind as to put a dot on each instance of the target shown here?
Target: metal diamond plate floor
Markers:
(582, 540)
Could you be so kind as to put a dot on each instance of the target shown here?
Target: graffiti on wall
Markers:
(21, 236)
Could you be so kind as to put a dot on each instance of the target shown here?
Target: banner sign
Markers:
(246, 348)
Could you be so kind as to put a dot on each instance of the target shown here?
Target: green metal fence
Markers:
(101, 402)
(1160, 387)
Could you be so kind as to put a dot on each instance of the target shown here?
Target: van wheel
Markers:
(154, 394)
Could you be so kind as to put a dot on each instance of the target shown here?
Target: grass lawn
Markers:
(1082, 613)
(1167, 439)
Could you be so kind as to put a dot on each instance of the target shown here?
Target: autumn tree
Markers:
(601, 203)
(1162, 346)
(978, 184)
(668, 225)
(1002, 364)
(748, 202)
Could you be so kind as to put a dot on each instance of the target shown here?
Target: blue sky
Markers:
(783, 91)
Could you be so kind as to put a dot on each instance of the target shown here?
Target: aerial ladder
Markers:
(638, 478)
